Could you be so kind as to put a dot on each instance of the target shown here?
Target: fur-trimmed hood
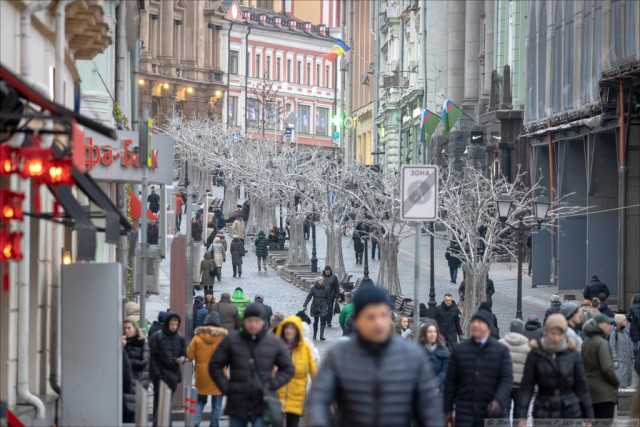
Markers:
(571, 345)
(209, 333)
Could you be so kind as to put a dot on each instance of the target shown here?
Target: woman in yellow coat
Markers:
(294, 393)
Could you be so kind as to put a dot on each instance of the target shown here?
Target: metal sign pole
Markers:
(188, 311)
(143, 151)
(416, 284)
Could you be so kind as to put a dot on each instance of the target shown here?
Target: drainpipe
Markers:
(622, 192)
(552, 198)
(376, 84)
(246, 78)
(25, 274)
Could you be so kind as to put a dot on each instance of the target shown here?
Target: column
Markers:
(489, 34)
(166, 16)
(472, 39)
(455, 51)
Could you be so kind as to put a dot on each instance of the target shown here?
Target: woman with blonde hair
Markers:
(402, 327)
(434, 344)
(135, 344)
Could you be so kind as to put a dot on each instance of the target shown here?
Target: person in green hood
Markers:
(240, 301)
(601, 374)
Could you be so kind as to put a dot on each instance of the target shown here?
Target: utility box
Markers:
(152, 278)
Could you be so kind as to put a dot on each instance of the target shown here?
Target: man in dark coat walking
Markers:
(453, 259)
(154, 201)
(268, 311)
(229, 316)
(375, 378)
(479, 377)
(333, 288)
(448, 317)
(533, 328)
(243, 352)
(167, 351)
(594, 288)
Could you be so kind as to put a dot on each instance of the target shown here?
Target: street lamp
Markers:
(314, 258)
(504, 204)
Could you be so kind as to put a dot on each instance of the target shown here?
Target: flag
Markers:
(450, 115)
(428, 125)
(340, 48)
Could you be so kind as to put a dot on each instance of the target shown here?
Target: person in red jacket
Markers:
(179, 205)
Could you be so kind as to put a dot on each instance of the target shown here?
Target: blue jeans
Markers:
(216, 407)
(237, 422)
(453, 272)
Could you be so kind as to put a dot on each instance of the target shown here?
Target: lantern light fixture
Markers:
(35, 161)
(165, 86)
(10, 162)
(59, 172)
(141, 82)
(66, 257)
(189, 90)
(10, 245)
(11, 205)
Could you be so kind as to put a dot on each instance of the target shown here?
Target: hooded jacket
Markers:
(375, 385)
(320, 303)
(237, 251)
(293, 394)
(205, 266)
(229, 317)
(164, 348)
(240, 301)
(518, 346)
(137, 349)
(205, 341)
(596, 354)
(218, 250)
(532, 329)
(633, 316)
(132, 312)
(331, 283)
(594, 288)
(244, 398)
(560, 378)
(262, 245)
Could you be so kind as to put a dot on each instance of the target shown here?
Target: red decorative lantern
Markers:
(11, 205)
(59, 172)
(35, 161)
(9, 159)
(10, 245)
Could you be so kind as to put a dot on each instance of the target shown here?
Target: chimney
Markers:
(292, 25)
(262, 19)
(247, 17)
(277, 22)
(507, 99)
(307, 27)
(322, 30)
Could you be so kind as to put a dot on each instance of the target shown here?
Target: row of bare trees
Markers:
(308, 182)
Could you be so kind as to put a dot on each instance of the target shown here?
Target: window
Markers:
(233, 62)
(322, 121)
(299, 75)
(272, 115)
(542, 62)
(232, 110)
(567, 72)
(278, 70)
(304, 111)
(267, 71)
(258, 63)
(253, 113)
(177, 40)
(327, 76)
(318, 75)
(556, 65)
(289, 70)
(585, 72)
(308, 74)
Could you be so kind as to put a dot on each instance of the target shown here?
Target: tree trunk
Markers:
(253, 225)
(297, 254)
(388, 277)
(475, 290)
(230, 199)
(268, 218)
(334, 256)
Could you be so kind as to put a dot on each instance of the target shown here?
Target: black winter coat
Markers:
(320, 303)
(604, 309)
(375, 385)
(237, 251)
(633, 316)
(562, 385)
(246, 209)
(244, 398)
(439, 363)
(478, 374)
(128, 392)
(532, 330)
(138, 351)
(262, 245)
(594, 289)
(358, 245)
(448, 318)
(332, 284)
(553, 309)
(164, 348)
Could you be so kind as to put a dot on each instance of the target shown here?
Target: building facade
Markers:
(280, 85)
(581, 124)
(183, 59)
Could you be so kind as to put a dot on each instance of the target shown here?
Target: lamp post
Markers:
(432, 276)
(314, 258)
(504, 203)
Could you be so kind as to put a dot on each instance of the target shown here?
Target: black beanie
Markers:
(368, 295)
(485, 316)
(254, 310)
(212, 319)
(208, 292)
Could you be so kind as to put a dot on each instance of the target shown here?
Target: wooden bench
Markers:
(407, 310)
(345, 282)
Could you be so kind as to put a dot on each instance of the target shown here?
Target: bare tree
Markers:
(265, 105)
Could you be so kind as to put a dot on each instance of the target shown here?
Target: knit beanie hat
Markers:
(483, 315)
(212, 319)
(208, 292)
(517, 326)
(568, 309)
(556, 321)
(620, 319)
(555, 298)
(368, 295)
(254, 310)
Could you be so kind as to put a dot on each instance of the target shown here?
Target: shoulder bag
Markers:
(272, 410)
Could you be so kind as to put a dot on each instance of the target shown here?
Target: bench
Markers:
(407, 310)
(345, 282)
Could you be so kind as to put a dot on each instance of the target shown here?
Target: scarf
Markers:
(431, 347)
(553, 348)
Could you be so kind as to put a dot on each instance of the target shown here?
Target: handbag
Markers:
(336, 308)
(213, 269)
(272, 411)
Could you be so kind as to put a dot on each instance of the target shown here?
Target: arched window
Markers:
(532, 82)
(567, 72)
(630, 28)
(556, 63)
(542, 61)
(615, 31)
(587, 34)
(596, 59)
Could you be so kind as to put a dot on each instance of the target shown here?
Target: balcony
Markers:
(86, 31)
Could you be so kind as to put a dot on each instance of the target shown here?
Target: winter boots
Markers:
(321, 333)
(315, 331)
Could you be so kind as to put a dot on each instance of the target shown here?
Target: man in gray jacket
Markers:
(381, 379)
